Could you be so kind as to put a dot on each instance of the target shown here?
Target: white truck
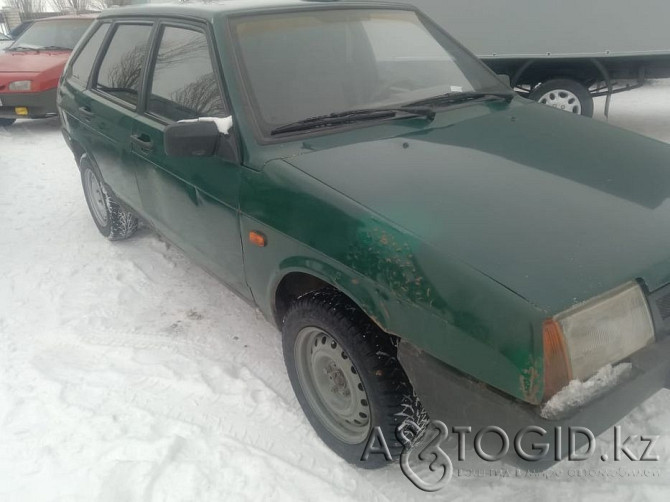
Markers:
(563, 52)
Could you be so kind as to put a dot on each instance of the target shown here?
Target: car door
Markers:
(109, 108)
(194, 200)
(74, 95)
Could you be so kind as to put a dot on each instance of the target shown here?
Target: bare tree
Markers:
(75, 6)
(105, 4)
(27, 6)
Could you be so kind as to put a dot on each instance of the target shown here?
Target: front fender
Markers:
(265, 267)
(410, 289)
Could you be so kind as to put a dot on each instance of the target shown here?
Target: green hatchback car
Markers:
(428, 243)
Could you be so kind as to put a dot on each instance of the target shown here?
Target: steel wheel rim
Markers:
(332, 386)
(563, 100)
(96, 197)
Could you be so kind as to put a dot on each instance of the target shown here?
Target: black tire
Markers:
(370, 354)
(117, 223)
(565, 85)
(6, 122)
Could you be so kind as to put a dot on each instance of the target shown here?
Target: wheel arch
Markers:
(79, 152)
(537, 71)
(298, 276)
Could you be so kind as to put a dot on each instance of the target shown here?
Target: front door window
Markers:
(184, 85)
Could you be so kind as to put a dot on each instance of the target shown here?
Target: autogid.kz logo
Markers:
(426, 464)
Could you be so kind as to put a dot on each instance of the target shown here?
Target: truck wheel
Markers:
(346, 376)
(564, 94)
(113, 221)
(6, 122)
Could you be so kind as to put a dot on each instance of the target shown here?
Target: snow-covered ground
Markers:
(127, 373)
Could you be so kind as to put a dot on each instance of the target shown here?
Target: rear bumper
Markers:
(458, 400)
(39, 104)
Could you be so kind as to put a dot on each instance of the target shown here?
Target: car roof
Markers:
(65, 18)
(213, 9)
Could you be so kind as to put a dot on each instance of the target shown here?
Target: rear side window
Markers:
(81, 68)
(121, 67)
(184, 85)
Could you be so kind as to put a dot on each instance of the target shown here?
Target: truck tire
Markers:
(6, 122)
(112, 220)
(345, 374)
(564, 94)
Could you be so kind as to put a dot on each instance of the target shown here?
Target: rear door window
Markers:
(81, 68)
(120, 70)
(184, 85)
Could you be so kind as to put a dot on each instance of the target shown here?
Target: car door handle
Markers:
(143, 141)
(86, 112)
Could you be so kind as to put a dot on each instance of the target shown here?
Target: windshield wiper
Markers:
(21, 48)
(350, 116)
(54, 48)
(461, 97)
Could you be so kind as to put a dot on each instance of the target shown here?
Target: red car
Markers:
(31, 66)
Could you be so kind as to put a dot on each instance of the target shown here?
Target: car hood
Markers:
(31, 61)
(555, 207)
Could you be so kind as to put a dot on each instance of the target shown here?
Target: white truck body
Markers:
(555, 29)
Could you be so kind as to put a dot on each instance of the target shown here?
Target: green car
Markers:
(428, 243)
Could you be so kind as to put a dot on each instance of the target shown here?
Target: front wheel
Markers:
(112, 220)
(346, 376)
(564, 94)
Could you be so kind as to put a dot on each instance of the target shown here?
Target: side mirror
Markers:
(199, 138)
(191, 139)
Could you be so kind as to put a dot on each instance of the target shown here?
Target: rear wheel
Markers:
(113, 221)
(564, 94)
(6, 122)
(346, 376)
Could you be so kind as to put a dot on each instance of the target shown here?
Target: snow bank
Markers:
(577, 393)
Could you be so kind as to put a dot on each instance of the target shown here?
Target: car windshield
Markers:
(63, 34)
(306, 64)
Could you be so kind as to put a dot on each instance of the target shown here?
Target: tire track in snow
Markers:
(193, 403)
